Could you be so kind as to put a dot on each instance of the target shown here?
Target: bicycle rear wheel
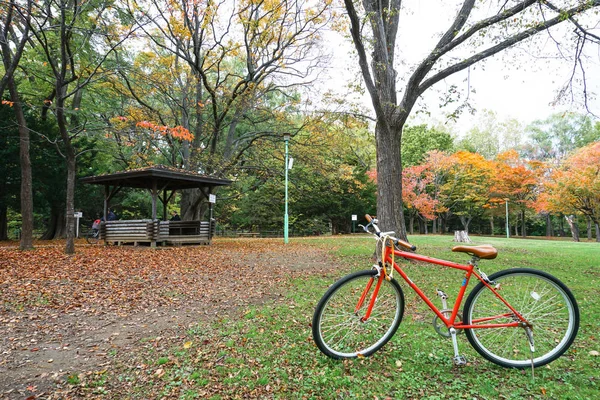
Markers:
(541, 299)
(93, 236)
(337, 327)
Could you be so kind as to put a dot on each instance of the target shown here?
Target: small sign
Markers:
(354, 218)
(212, 198)
(78, 214)
(290, 163)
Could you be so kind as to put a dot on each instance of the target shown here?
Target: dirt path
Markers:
(66, 318)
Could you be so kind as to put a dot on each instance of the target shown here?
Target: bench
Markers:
(179, 232)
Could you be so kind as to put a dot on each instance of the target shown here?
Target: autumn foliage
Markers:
(575, 186)
(467, 185)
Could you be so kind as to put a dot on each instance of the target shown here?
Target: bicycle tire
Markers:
(92, 236)
(542, 299)
(339, 331)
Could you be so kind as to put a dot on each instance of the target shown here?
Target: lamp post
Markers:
(507, 228)
(286, 138)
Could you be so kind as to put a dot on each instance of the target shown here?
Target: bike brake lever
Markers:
(365, 228)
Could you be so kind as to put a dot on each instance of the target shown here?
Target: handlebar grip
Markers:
(368, 218)
(406, 245)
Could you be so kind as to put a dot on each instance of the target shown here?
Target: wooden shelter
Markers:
(162, 182)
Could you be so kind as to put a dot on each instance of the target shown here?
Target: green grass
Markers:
(268, 351)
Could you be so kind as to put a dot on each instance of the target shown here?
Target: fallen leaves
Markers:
(49, 300)
(120, 279)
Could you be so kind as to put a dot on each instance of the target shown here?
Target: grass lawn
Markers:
(267, 351)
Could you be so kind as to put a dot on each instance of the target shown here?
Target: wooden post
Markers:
(165, 204)
(154, 197)
(105, 212)
(106, 197)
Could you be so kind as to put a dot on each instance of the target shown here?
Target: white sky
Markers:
(515, 85)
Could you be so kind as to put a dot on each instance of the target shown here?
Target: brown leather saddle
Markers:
(485, 251)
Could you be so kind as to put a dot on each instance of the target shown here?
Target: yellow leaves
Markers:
(178, 28)
(575, 186)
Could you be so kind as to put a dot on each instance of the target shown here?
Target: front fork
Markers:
(377, 279)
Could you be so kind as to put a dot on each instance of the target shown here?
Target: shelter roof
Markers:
(166, 178)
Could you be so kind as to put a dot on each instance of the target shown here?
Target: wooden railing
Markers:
(148, 231)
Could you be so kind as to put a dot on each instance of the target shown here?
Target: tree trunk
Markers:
(561, 226)
(389, 182)
(597, 231)
(523, 227)
(189, 211)
(3, 222)
(55, 228)
(25, 162)
(189, 198)
(462, 237)
(549, 228)
(574, 228)
(465, 221)
(589, 228)
(191, 208)
(492, 225)
(71, 167)
(434, 226)
(411, 225)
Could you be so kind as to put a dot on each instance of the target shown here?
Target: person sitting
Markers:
(111, 216)
(175, 216)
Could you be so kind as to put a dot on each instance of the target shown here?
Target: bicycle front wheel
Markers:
(338, 327)
(543, 300)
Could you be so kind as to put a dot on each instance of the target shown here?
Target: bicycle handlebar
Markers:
(397, 241)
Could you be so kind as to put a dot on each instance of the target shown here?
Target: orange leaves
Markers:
(178, 132)
(146, 124)
(372, 175)
(181, 133)
(8, 103)
(415, 183)
(513, 179)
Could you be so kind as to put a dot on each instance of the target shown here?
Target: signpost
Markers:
(354, 219)
(212, 199)
(77, 215)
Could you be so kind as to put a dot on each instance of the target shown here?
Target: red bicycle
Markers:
(515, 318)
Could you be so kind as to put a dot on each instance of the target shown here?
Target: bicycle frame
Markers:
(480, 323)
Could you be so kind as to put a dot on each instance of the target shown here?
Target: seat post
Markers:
(474, 261)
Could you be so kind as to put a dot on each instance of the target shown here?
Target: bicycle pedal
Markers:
(459, 361)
